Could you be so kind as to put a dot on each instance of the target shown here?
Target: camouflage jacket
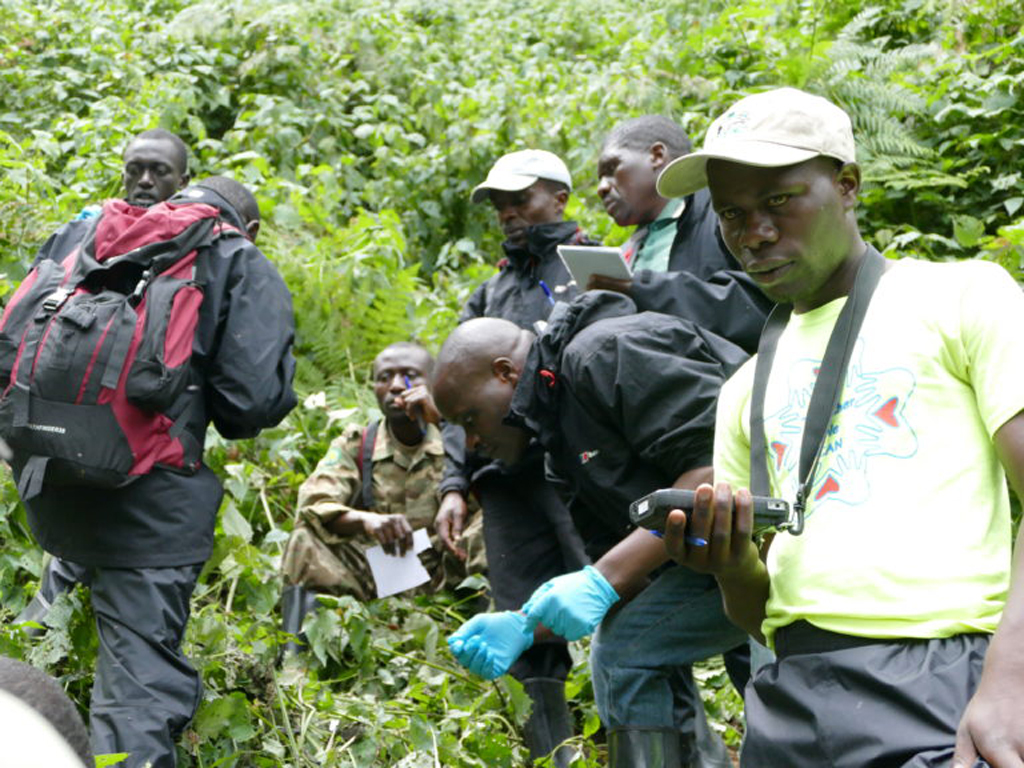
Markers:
(404, 480)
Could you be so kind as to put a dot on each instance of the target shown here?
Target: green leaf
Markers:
(234, 524)
(228, 715)
(968, 230)
(102, 761)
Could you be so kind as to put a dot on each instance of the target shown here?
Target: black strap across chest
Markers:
(827, 387)
(366, 464)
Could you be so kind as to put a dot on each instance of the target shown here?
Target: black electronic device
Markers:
(651, 510)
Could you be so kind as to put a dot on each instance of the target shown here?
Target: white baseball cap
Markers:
(776, 128)
(518, 170)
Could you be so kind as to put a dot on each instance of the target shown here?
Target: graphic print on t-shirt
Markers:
(870, 421)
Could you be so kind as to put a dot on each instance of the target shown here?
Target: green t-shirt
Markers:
(908, 526)
(656, 246)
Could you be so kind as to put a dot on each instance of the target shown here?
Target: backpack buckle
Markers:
(56, 300)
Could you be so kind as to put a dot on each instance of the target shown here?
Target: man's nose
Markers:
(146, 179)
(604, 186)
(758, 229)
(397, 383)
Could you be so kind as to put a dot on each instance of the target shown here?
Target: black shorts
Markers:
(833, 700)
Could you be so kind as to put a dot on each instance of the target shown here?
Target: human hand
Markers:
(419, 406)
(572, 605)
(489, 643)
(604, 283)
(392, 531)
(717, 536)
(990, 727)
(450, 522)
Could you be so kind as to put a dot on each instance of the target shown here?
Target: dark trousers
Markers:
(60, 576)
(842, 702)
(530, 538)
(145, 691)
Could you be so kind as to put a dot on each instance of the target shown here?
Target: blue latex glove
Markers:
(489, 643)
(572, 605)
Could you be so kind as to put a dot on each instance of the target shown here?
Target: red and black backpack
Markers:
(95, 349)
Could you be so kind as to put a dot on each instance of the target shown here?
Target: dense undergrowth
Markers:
(363, 125)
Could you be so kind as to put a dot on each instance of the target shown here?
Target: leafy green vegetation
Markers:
(363, 125)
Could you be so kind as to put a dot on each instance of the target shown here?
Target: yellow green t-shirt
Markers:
(908, 526)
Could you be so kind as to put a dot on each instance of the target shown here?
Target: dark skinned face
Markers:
(791, 228)
(478, 403)
(537, 204)
(390, 371)
(626, 181)
(151, 172)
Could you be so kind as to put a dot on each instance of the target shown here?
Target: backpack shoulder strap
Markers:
(366, 445)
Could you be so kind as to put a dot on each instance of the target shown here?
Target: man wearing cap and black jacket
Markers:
(680, 264)
(528, 533)
(142, 546)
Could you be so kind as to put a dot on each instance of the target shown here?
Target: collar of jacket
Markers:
(541, 240)
(200, 194)
(536, 394)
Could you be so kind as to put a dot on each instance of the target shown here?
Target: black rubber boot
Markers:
(550, 722)
(59, 577)
(296, 602)
(644, 748)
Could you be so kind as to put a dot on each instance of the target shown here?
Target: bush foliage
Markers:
(363, 125)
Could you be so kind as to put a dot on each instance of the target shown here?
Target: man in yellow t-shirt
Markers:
(896, 615)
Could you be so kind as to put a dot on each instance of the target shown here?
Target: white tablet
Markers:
(582, 261)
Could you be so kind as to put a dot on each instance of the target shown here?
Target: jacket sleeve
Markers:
(63, 241)
(727, 303)
(456, 473)
(249, 380)
(476, 306)
(659, 390)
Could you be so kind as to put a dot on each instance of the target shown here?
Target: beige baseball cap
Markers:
(776, 128)
(519, 170)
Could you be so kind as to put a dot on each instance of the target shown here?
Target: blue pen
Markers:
(693, 541)
(547, 291)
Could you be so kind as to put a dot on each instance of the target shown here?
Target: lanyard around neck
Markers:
(827, 388)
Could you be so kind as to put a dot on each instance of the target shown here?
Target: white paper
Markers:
(397, 573)
(582, 261)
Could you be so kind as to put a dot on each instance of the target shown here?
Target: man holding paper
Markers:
(374, 487)
(680, 264)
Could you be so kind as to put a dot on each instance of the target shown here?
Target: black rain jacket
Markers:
(242, 361)
(704, 283)
(623, 402)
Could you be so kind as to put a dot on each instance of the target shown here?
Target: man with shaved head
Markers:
(623, 402)
(527, 529)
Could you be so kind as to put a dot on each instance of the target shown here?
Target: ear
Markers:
(561, 200)
(252, 229)
(848, 183)
(185, 179)
(657, 155)
(505, 370)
